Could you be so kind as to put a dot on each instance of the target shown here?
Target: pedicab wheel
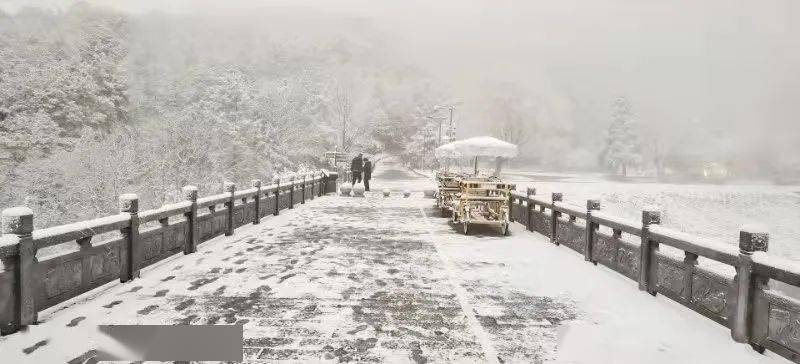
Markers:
(505, 229)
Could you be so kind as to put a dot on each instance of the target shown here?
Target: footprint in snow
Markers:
(31, 349)
(74, 322)
(112, 304)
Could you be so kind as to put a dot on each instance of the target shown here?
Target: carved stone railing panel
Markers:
(151, 242)
(710, 293)
(541, 223)
(782, 332)
(271, 205)
(212, 225)
(285, 199)
(627, 261)
(175, 237)
(523, 213)
(604, 249)
(309, 191)
(520, 212)
(61, 275)
(298, 194)
(240, 214)
(105, 264)
(66, 276)
(616, 254)
(571, 235)
(163, 242)
(670, 277)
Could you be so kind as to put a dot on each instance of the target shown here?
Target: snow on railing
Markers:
(744, 303)
(122, 258)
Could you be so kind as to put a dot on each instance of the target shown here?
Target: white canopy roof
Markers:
(446, 151)
(484, 146)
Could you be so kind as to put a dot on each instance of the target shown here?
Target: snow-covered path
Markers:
(387, 279)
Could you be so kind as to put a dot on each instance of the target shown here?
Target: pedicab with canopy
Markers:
(482, 198)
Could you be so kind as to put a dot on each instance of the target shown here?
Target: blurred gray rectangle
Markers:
(170, 343)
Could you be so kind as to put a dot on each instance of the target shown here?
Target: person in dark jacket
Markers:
(356, 167)
(367, 173)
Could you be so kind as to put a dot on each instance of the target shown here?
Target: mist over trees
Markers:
(95, 103)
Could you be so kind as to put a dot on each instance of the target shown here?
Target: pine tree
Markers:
(622, 144)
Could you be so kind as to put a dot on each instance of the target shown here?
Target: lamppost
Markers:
(451, 131)
(440, 118)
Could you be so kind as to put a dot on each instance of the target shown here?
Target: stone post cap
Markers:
(229, 187)
(530, 191)
(256, 183)
(558, 196)
(17, 220)
(753, 238)
(650, 217)
(189, 193)
(593, 205)
(129, 202)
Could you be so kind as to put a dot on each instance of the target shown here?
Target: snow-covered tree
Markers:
(509, 122)
(95, 103)
(622, 144)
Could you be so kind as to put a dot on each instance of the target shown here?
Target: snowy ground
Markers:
(373, 279)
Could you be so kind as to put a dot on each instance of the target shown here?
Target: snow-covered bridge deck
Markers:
(387, 279)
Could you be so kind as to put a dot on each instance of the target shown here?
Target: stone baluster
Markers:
(303, 190)
(277, 182)
(129, 204)
(192, 226)
(648, 250)
(750, 240)
(18, 237)
(555, 197)
(529, 209)
(591, 230)
(230, 188)
(257, 203)
(291, 191)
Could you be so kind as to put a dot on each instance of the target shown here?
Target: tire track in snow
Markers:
(483, 337)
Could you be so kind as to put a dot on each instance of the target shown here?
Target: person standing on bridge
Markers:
(367, 173)
(356, 167)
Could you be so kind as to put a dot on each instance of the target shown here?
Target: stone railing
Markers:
(732, 289)
(28, 286)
